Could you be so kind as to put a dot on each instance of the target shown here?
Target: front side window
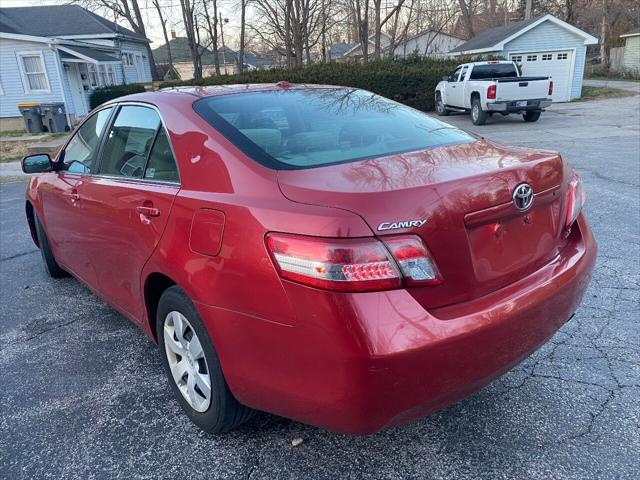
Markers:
(292, 129)
(463, 74)
(129, 141)
(33, 69)
(456, 74)
(80, 153)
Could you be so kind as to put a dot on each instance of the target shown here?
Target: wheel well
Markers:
(154, 287)
(31, 221)
(474, 95)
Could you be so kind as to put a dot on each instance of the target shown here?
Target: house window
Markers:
(562, 56)
(547, 56)
(111, 76)
(33, 71)
(93, 75)
(102, 71)
(516, 58)
(532, 58)
(127, 59)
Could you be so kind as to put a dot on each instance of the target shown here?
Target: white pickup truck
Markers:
(485, 88)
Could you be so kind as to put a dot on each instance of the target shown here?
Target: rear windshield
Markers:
(290, 129)
(496, 70)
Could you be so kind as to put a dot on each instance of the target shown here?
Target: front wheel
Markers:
(51, 266)
(193, 368)
(441, 110)
(478, 116)
(531, 116)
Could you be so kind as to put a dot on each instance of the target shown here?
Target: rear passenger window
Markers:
(129, 141)
(162, 165)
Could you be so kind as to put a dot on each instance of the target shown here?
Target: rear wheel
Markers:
(478, 116)
(51, 266)
(440, 108)
(531, 116)
(193, 368)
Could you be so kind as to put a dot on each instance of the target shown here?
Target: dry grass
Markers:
(593, 93)
(14, 150)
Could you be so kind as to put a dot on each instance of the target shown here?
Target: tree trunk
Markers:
(141, 30)
(243, 10)
(377, 4)
(466, 18)
(603, 35)
(287, 31)
(163, 23)
(528, 7)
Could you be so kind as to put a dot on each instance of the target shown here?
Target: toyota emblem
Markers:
(523, 196)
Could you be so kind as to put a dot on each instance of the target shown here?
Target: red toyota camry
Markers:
(321, 253)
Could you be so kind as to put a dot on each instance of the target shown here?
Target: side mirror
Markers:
(445, 78)
(38, 163)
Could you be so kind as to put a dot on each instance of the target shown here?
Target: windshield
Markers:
(496, 70)
(292, 129)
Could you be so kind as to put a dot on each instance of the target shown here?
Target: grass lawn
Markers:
(612, 78)
(14, 150)
(593, 93)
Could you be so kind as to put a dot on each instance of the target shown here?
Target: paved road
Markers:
(82, 393)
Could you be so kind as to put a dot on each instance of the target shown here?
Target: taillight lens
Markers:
(414, 260)
(575, 199)
(491, 92)
(352, 265)
(550, 87)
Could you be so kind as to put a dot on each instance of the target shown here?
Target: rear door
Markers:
(127, 204)
(63, 212)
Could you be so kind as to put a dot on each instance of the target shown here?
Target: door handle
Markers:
(148, 211)
(74, 196)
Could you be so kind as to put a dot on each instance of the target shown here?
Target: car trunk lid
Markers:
(479, 240)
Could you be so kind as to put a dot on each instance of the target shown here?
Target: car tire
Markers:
(441, 110)
(222, 412)
(532, 116)
(51, 266)
(478, 116)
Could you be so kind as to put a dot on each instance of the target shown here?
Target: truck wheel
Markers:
(478, 116)
(532, 116)
(440, 108)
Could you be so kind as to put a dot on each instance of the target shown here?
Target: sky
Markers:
(152, 22)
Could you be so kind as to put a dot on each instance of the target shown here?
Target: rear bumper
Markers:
(512, 106)
(358, 363)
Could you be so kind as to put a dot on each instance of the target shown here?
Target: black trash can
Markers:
(55, 119)
(32, 116)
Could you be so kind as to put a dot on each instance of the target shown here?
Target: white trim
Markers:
(60, 70)
(84, 57)
(627, 35)
(23, 75)
(26, 38)
(588, 39)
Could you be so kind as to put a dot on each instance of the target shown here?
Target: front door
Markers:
(77, 90)
(128, 203)
(63, 209)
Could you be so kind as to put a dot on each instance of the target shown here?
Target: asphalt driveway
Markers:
(82, 393)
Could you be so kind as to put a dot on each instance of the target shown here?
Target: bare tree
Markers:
(243, 15)
(466, 12)
(187, 7)
(211, 26)
(163, 24)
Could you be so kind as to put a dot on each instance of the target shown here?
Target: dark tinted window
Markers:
(496, 70)
(307, 128)
(80, 153)
(162, 165)
(129, 141)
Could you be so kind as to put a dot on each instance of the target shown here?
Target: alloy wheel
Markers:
(475, 113)
(187, 362)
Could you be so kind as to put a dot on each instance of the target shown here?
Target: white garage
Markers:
(542, 46)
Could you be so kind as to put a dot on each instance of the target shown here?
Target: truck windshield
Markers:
(495, 70)
(303, 128)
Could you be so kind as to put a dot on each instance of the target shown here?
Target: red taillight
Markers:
(575, 199)
(550, 87)
(352, 265)
(491, 92)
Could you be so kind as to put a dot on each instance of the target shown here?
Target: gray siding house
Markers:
(60, 53)
(541, 46)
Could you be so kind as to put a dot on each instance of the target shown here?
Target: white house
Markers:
(425, 44)
(631, 61)
(59, 53)
(541, 46)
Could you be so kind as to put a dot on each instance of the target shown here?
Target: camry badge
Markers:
(523, 196)
(403, 224)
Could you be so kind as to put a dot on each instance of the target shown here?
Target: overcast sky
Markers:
(152, 23)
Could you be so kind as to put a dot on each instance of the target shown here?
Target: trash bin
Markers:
(55, 119)
(31, 114)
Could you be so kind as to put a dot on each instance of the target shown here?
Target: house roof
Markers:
(494, 39)
(60, 21)
(633, 33)
(338, 50)
(180, 52)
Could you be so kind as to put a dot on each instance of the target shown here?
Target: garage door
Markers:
(554, 64)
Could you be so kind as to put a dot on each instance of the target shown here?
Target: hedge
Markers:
(103, 94)
(411, 81)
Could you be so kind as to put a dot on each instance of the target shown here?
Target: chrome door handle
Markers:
(148, 211)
